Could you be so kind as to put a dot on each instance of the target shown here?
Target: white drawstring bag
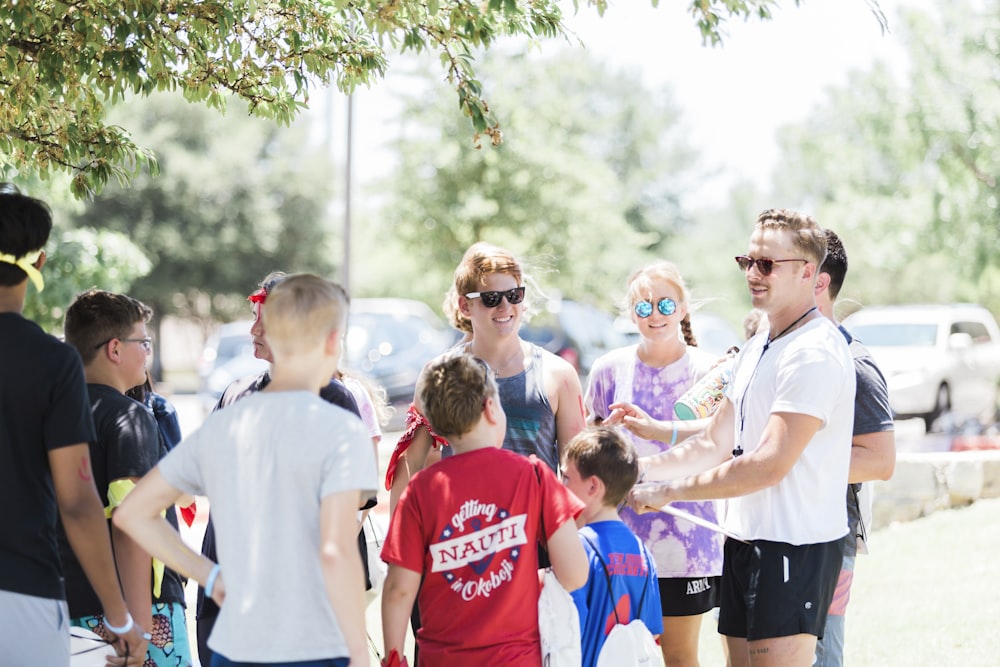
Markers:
(558, 625)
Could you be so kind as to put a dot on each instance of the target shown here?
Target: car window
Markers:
(896, 334)
(383, 334)
(233, 346)
(977, 330)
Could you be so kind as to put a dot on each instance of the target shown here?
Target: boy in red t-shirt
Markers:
(465, 530)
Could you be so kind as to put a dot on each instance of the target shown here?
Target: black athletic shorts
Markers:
(689, 597)
(773, 589)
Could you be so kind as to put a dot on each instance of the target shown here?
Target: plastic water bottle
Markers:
(702, 399)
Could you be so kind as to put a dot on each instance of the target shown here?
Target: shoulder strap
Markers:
(607, 575)
(542, 539)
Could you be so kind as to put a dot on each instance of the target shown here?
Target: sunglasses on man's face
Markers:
(666, 306)
(493, 299)
(765, 266)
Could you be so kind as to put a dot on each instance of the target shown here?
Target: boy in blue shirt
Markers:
(600, 467)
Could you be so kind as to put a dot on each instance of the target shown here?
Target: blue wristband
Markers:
(210, 582)
(673, 433)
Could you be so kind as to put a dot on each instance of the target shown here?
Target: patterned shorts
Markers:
(169, 646)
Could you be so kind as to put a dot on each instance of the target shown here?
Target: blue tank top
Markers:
(531, 424)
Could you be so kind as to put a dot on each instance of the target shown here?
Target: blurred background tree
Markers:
(65, 62)
(78, 259)
(587, 185)
(236, 198)
(907, 171)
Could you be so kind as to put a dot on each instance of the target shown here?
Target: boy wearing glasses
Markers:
(465, 532)
(778, 448)
(45, 466)
(109, 332)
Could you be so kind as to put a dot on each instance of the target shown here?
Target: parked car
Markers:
(390, 340)
(387, 340)
(713, 332)
(935, 358)
(227, 356)
(577, 332)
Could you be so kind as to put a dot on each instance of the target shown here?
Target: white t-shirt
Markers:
(808, 371)
(265, 463)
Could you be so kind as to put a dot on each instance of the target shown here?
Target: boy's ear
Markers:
(595, 486)
(332, 344)
(490, 409)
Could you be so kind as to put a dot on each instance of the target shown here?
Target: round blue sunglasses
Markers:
(666, 306)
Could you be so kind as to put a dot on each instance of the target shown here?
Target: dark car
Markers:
(390, 340)
(577, 332)
(713, 332)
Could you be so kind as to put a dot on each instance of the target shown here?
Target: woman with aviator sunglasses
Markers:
(637, 386)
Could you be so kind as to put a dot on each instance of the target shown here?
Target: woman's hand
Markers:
(637, 421)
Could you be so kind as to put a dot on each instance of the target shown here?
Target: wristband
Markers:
(129, 624)
(210, 582)
(673, 433)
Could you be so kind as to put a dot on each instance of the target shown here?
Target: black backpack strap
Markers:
(607, 575)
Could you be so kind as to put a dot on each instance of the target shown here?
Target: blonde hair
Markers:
(301, 311)
(640, 288)
(479, 261)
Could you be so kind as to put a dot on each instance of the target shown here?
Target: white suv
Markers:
(935, 359)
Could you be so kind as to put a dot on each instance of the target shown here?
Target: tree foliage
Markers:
(79, 259)
(66, 61)
(587, 185)
(907, 170)
(236, 198)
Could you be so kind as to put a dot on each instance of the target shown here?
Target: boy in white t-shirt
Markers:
(284, 471)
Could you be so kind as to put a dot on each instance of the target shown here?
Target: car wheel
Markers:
(942, 404)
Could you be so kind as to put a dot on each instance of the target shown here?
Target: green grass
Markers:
(927, 595)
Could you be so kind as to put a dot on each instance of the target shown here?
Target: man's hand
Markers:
(651, 496)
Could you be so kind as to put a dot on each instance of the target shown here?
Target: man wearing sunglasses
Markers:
(778, 449)
(45, 467)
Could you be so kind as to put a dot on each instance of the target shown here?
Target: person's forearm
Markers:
(695, 455)
(157, 537)
(343, 574)
(873, 456)
(397, 606)
(135, 572)
(87, 531)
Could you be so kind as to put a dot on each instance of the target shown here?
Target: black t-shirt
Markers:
(43, 406)
(128, 444)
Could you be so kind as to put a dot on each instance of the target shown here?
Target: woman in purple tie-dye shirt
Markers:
(651, 376)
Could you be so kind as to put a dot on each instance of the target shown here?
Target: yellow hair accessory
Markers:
(117, 490)
(26, 264)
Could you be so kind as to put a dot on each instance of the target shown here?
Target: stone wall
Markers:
(926, 482)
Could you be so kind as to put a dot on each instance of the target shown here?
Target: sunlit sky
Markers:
(734, 97)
